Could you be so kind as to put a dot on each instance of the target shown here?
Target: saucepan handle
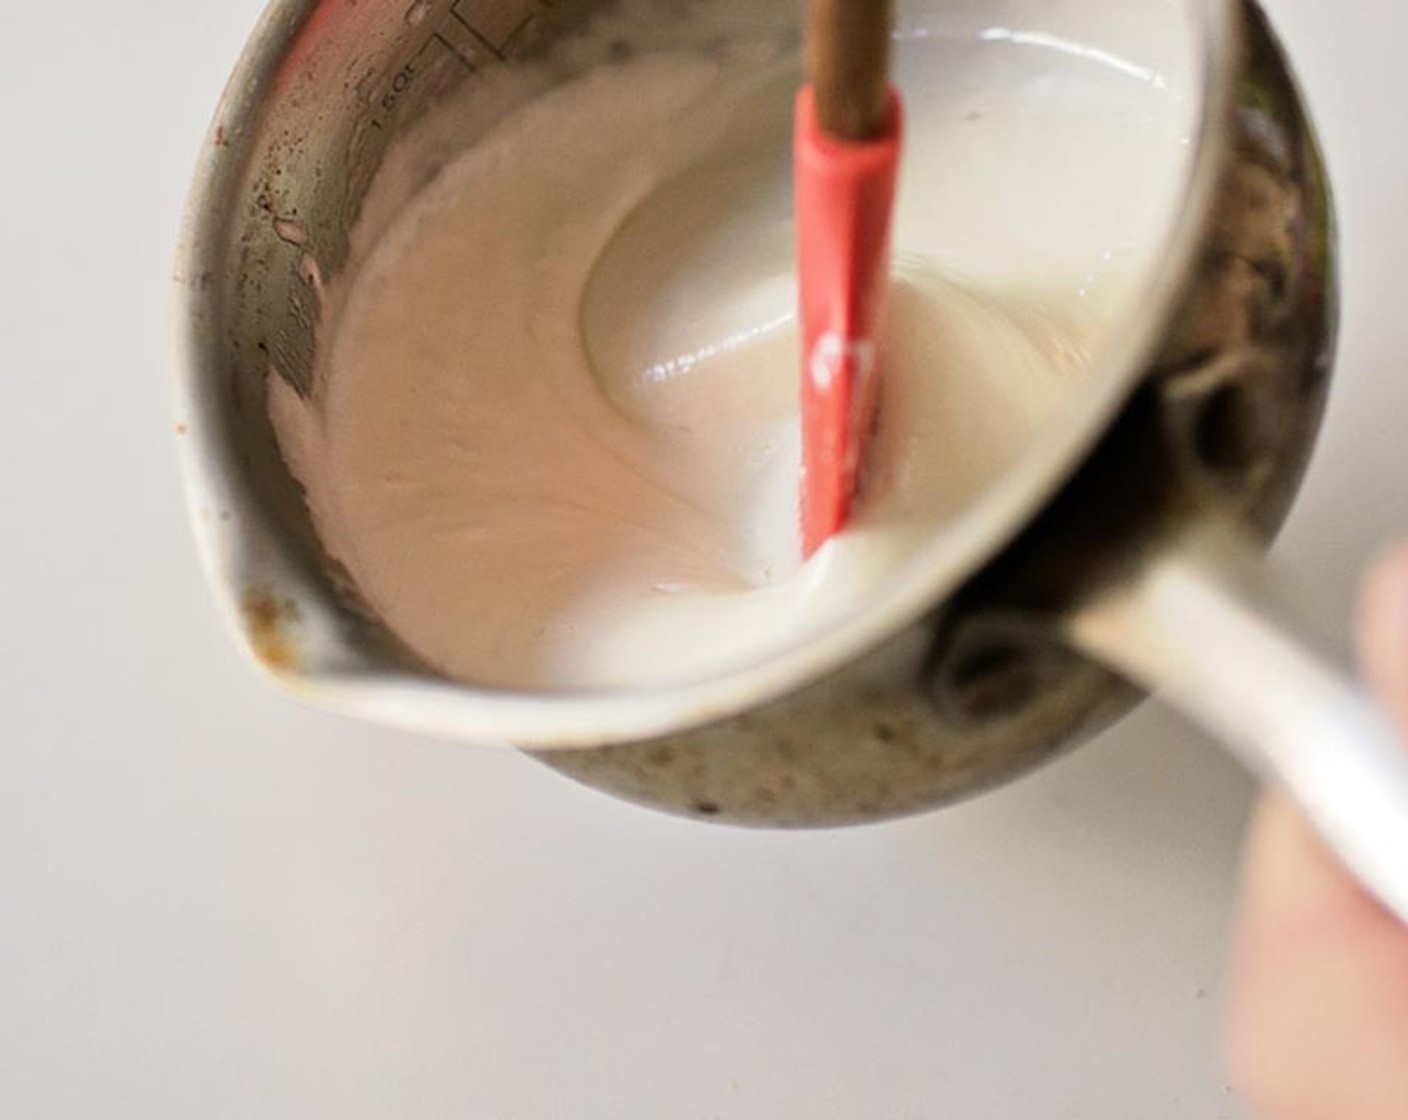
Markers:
(1206, 624)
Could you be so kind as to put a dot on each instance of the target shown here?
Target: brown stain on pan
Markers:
(268, 622)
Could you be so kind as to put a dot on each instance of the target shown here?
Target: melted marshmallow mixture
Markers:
(554, 437)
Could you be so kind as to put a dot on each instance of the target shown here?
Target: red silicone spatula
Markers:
(847, 149)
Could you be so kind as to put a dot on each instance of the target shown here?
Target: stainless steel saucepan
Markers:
(1119, 552)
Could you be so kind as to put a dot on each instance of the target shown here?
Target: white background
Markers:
(215, 904)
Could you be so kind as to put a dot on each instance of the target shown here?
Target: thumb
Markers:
(1318, 1018)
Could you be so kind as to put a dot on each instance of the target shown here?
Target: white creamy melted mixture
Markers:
(554, 435)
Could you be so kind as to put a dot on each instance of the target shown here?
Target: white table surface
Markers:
(216, 904)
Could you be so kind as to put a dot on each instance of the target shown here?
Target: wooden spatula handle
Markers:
(848, 64)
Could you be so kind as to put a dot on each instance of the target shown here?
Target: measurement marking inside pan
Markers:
(405, 77)
(517, 31)
(469, 23)
(473, 31)
(449, 46)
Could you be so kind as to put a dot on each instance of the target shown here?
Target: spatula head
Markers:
(845, 199)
